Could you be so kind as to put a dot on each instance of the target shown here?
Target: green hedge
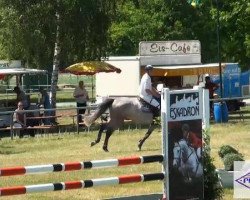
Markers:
(226, 149)
(212, 189)
(229, 154)
(229, 159)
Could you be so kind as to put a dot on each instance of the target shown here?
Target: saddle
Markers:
(154, 110)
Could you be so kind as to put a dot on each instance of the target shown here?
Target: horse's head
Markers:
(181, 153)
(177, 155)
(183, 143)
(186, 150)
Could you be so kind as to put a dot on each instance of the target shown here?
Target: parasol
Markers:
(91, 68)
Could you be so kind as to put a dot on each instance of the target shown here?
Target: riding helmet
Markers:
(148, 67)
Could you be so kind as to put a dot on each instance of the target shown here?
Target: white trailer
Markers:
(125, 83)
(177, 64)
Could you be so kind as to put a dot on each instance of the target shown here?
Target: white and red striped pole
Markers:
(71, 166)
(18, 190)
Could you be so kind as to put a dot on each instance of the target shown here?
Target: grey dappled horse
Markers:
(121, 109)
(186, 160)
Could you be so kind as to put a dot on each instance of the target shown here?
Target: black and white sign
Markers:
(182, 111)
(181, 47)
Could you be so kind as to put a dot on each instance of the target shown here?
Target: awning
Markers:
(17, 71)
(184, 70)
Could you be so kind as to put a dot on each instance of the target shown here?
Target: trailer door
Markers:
(125, 83)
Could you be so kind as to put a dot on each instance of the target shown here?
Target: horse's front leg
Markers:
(148, 133)
(102, 128)
(108, 134)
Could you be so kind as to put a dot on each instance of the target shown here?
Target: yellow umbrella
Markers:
(91, 68)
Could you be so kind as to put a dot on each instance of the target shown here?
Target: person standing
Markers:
(45, 102)
(211, 88)
(147, 92)
(81, 96)
(21, 96)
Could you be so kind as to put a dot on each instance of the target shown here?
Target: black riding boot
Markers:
(156, 112)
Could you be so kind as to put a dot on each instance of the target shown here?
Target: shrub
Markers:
(212, 189)
(226, 149)
(229, 159)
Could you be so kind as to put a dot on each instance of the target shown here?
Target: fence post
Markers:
(11, 126)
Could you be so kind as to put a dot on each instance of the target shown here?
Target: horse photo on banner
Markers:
(184, 132)
(185, 159)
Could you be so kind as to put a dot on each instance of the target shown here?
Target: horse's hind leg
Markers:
(108, 134)
(146, 136)
(102, 128)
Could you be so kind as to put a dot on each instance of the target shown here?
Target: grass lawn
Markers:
(64, 147)
(69, 148)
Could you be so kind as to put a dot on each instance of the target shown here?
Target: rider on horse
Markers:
(192, 139)
(148, 93)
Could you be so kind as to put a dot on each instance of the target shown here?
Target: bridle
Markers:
(179, 158)
(180, 155)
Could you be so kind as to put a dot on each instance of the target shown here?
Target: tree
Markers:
(235, 22)
(23, 35)
(139, 20)
(152, 20)
(54, 34)
(57, 54)
(92, 29)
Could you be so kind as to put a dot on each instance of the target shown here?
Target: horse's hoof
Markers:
(92, 144)
(139, 145)
(105, 149)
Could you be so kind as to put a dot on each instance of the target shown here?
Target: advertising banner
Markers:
(183, 129)
(241, 179)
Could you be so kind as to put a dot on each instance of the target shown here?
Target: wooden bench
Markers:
(73, 116)
(241, 113)
(40, 118)
(40, 128)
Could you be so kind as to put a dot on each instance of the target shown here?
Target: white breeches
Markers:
(152, 102)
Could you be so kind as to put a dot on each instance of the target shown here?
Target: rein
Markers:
(186, 160)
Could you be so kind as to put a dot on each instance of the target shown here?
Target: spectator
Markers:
(45, 103)
(81, 96)
(19, 118)
(21, 96)
(211, 88)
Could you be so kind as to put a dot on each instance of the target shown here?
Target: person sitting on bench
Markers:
(20, 121)
(19, 118)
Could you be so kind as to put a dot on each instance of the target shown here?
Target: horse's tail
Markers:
(88, 120)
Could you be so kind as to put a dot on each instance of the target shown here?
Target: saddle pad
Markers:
(145, 109)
